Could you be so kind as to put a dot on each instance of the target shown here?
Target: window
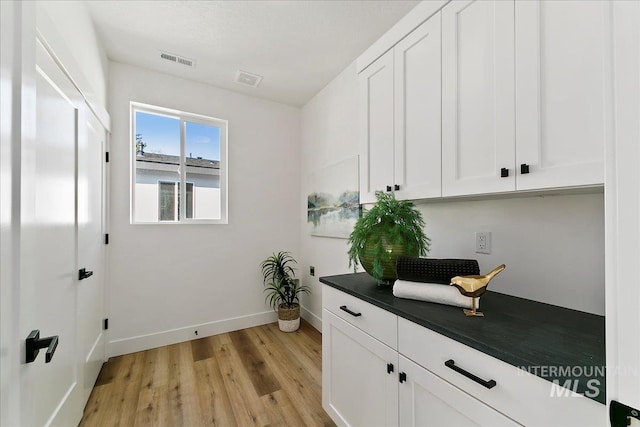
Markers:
(169, 201)
(178, 159)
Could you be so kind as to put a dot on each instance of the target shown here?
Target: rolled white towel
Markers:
(432, 292)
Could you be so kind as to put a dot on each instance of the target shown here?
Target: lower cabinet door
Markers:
(359, 376)
(428, 400)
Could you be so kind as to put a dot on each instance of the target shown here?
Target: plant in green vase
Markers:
(283, 289)
(390, 228)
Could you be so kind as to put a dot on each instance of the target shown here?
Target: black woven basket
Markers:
(433, 270)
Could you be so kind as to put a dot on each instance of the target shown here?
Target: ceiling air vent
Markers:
(177, 59)
(247, 79)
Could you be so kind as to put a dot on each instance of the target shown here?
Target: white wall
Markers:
(68, 24)
(552, 246)
(166, 278)
(329, 135)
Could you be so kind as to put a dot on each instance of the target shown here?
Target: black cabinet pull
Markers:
(389, 368)
(388, 188)
(504, 173)
(34, 343)
(402, 377)
(524, 169)
(452, 365)
(396, 187)
(84, 274)
(353, 313)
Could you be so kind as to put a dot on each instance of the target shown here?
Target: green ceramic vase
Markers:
(367, 257)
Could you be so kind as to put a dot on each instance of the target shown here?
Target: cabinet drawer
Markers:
(375, 321)
(528, 399)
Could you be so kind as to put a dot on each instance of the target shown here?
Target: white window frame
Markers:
(184, 117)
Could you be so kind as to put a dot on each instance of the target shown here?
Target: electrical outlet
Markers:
(483, 242)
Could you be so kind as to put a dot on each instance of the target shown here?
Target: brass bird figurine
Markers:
(474, 286)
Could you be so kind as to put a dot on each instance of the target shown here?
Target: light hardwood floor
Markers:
(253, 377)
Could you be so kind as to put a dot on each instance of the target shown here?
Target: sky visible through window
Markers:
(161, 134)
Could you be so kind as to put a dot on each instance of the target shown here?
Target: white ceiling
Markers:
(297, 46)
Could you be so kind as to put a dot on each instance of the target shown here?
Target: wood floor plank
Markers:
(281, 410)
(125, 391)
(255, 377)
(215, 407)
(109, 371)
(245, 402)
(263, 381)
(201, 349)
(296, 382)
(311, 332)
(98, 400)
(308, 361)
(184, 406)
(155, 373)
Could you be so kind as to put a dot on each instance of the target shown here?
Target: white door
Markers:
(91, 254)
(427, 400)
(478, 135)
(376, 109)
(563, 91)
(418, 66)
(50, 391)
(358, 388)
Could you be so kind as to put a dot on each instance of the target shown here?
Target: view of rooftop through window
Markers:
(163, 180)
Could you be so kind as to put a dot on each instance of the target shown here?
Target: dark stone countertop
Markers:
(524, 333)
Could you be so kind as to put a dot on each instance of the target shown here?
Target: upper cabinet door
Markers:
(376, 106)
(418, 67)
(478, 123)
(563, 86)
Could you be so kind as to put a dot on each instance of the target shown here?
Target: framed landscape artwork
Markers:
(333, 206)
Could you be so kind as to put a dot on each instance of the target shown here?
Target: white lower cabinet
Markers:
(427, 400)
(359, 378)
(422, 378)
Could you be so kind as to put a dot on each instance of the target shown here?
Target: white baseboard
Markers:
(174, 336)
(310, 317)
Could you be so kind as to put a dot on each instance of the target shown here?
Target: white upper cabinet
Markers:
(401, 104)
(478, 123)
(490, 96)
(563, 83)
(376, 97)
(418, 109)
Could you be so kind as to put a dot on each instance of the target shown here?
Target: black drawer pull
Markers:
(353, 313)
(388, 188)
(452, 365)
(504, 173)
(389, 368)
(524, 169)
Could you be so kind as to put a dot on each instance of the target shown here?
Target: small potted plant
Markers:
(389, 229)
(283, 289)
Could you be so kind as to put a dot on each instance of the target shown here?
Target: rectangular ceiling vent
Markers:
(247, 79)
(177, 59)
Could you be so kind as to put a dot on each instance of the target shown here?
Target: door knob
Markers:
(35, 343)
(83, 273)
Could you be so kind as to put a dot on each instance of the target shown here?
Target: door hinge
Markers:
(106, 239)
(105, 325)
(106, 156)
